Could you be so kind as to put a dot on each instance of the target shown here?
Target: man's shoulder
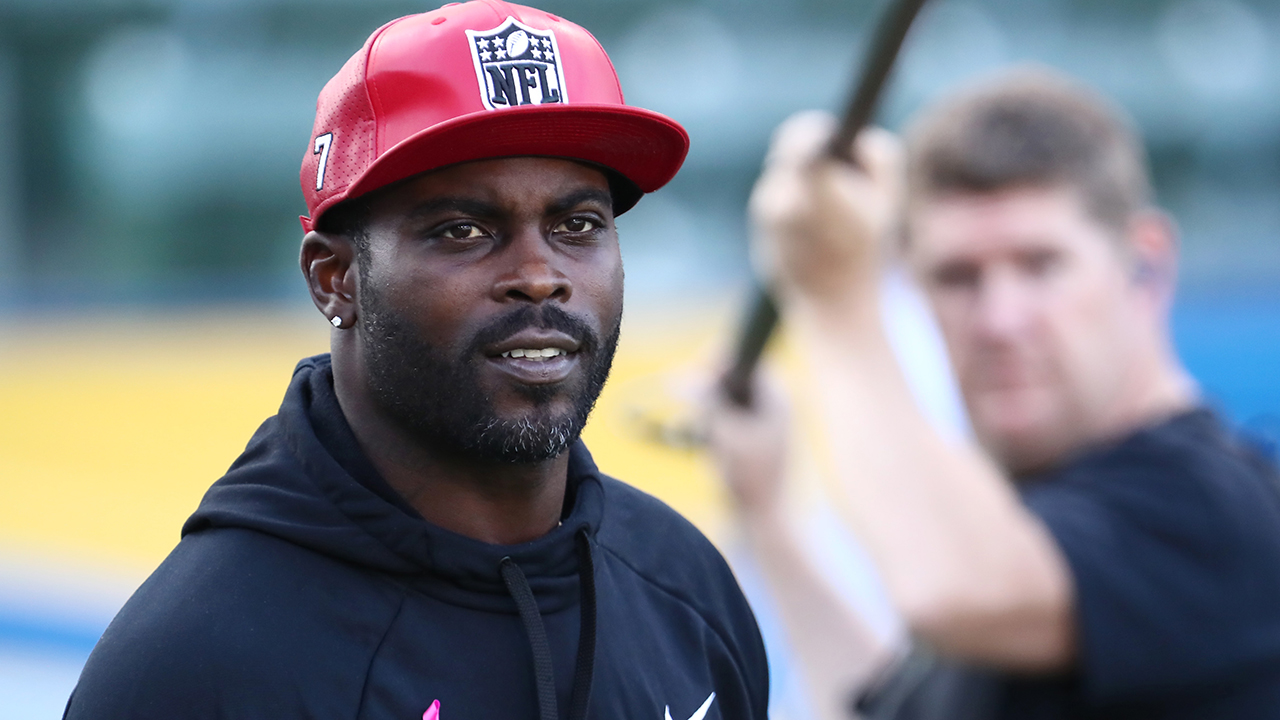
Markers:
(228, 567)
(1190, 478)
(644, 530)
(665, 550)
(237, 618)
(664, 559)
(1193, 439)
(1191, 456)
(1182, 510)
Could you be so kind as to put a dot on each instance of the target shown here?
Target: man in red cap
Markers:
(419, 532)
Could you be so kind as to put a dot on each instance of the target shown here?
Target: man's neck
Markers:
(1160, 387)
(494, 502)
(1154, 389)
(498, 503)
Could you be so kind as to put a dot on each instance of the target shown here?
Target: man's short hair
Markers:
(1036, 128)
(349, 218)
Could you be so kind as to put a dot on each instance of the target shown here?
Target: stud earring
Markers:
(336, 321)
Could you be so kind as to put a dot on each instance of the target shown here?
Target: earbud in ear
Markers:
(1144, 271)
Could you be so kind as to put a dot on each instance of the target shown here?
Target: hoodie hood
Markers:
(290, 484)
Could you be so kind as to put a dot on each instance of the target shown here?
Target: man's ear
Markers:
(1153, 244)
(329, 265)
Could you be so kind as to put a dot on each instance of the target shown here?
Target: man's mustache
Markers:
(542, 317)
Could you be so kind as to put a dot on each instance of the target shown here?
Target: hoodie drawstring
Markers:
(544, 674)
(586, 663)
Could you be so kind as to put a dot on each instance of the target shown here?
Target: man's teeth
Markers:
(533, 353)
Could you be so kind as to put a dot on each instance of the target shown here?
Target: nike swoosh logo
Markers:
(700, 712)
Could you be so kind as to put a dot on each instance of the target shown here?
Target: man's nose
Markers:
(1005, 306)
(530, 271)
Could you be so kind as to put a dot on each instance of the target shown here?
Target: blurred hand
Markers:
(749, 445)
(822, 225)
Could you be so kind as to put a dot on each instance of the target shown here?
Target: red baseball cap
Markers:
(476, 80)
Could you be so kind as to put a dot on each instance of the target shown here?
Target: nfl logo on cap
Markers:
(517, 65)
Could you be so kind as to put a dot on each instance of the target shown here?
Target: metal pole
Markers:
(762, 314)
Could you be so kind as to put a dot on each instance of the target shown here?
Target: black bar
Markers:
(762, 316)
(761, 319)
(876, 66)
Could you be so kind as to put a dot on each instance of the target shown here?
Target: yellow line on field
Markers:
(112, 429)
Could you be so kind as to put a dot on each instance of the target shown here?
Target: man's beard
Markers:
(436, 393)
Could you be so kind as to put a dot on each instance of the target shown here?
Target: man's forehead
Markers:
(1005, 219)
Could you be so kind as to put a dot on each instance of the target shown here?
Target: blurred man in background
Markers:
(1109, 548)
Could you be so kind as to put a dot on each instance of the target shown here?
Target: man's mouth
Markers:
(534, 353)
(535, 344)
(537, 356)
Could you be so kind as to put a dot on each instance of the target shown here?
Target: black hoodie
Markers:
(304, 587)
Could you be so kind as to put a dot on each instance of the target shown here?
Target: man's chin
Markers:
(1024, 437)
(1022, 455)
(525, 439)
(533, 403)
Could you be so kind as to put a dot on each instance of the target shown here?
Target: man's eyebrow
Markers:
(459, 205)
(580, 197)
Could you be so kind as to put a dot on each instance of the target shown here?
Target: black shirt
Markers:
(1173, 540)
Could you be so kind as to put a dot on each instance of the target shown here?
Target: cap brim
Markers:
(643, 146)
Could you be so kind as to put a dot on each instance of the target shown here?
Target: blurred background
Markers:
(151, 309)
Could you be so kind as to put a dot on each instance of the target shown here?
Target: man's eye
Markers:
(577, 225)
(463, 231)
(1040, 263)
(957, 276)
